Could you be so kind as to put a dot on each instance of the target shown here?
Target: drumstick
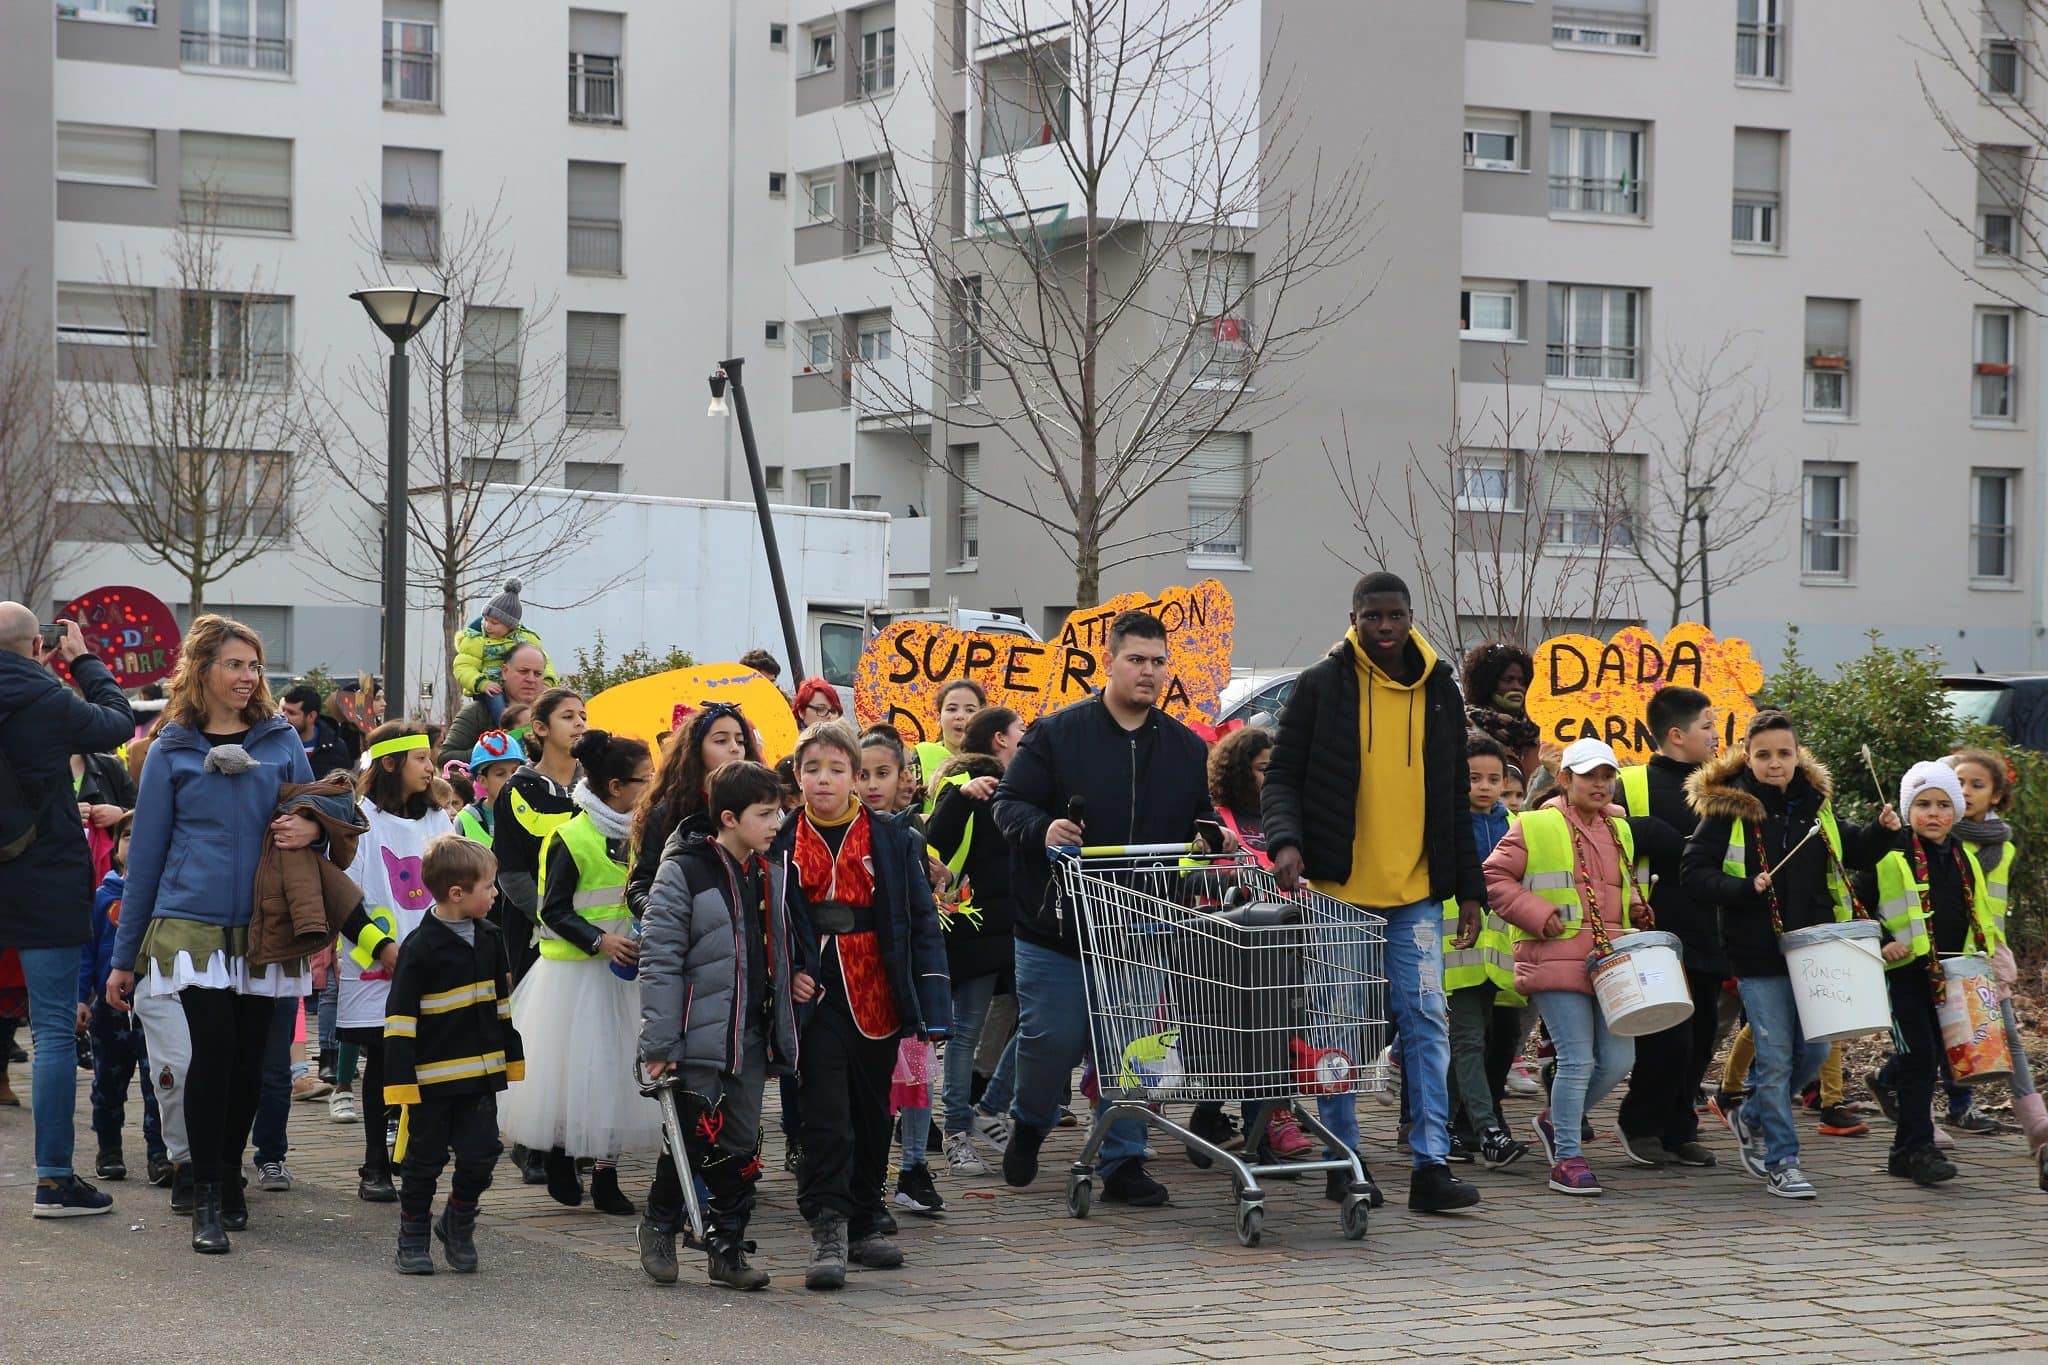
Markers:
(1876, 781)
(1801, 844)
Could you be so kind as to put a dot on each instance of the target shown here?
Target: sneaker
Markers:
(341, 1107)
(1546, 1135)
(1640, 1151)
(1286, 1139)
(1688, 1154)
(1067, 1119)
(961, 1156)
(1500, 1150)
(1020, 1158)
(1460, 1153)
(793, 1157)
(993, 1129)
(1942, 1140)
(1574, 1175)
(1337, 1187)
(158, 1170)
(916, 1192)
(66, 1196)
(111, 1165)
(1789, 1182)
(1130, 1183)
(1521, 1084)
(1722, 1103)
(1922, 1165)
(1838, 1120)
(1973, 1122)
(1887, 1096)
(272, 1176)
(311, 1087)
(1749, 1142)
(1433, 1189)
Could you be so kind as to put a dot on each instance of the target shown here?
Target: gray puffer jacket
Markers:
(694, 983)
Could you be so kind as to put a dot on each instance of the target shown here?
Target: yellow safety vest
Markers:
(1997, 883)
(473, 827)
(1635, 798)
(1735, 861)
(931, 756)
(1552, 872)
(600, 885)
(1490, 958)
(539, 824)
(1898, 908)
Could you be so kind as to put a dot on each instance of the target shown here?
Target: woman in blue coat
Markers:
(208, 796)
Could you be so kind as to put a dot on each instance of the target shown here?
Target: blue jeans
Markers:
(274, 1101)
(1421, 1016)
(1590, 1061)
(119, 1052)
(329, 1007)
(970, 1011)
(494, 702)
(51, 975)
(1052, 1037)
(1786, 1063)
(1002, 1086)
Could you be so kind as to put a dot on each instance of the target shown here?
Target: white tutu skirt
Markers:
(580, 1027)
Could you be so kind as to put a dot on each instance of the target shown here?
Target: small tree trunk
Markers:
(451, 621)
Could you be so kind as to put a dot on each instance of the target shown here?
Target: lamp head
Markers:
(399, 311)
(718, 407)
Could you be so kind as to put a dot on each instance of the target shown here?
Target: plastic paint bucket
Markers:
(1837, 973)
(1641, 985)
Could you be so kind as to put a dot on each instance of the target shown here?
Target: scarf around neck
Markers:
(1990, 831)
(847, 876)
(611, 823)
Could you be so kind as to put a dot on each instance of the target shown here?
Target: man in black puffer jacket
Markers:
(1142, 777)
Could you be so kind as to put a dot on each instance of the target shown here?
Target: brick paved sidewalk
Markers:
(1668, 1266)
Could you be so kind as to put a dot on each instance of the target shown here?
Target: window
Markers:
(771, 475)
(876, 203)
(824, 48)
(1488, 310)
(1220, 303)
(966, 338)
(1219, 478)
(818, 490)
(821, 193)
(596, 229)
(1992, 399)
(481, 469)
(258, 502)
(412, 204)
(592, 391)
(589, 476)
(93, 315)
(235, 339)
(109, 11)
(1596, 168)
(1759, 166)
(104, 155)
(1760, 41)
(967, 524)
(1493, 141)
(2002, 174)
(776, 182)
(771, 333)
(596, 42)
(490, 362)
(877, 342)
(245, 35)
(778, 37)
(877, 49)
(1595, 333)
(1026, 100)
(1620, 24)
(1829, 324)
(1991, 524)
(1590, 501)
(234, 183)
(412, 53)
(1827, 525)
(1486, 481)
(817, 350)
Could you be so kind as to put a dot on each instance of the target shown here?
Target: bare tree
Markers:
(493, 415)
(187, 423)
(1116, 280)
(34, 520)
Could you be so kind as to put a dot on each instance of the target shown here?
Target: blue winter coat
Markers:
(46, 893)
(198, 834)
(96, 959)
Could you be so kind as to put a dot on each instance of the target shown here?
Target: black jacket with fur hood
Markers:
(1723, 792)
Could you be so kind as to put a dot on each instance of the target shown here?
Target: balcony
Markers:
(255, 369)
(235, 52)
(1571, 360)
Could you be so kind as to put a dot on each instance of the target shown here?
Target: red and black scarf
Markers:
(849, 878)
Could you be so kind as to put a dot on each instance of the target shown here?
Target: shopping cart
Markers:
(1205, 982)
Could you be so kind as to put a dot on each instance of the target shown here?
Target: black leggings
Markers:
(375, 1113)
(225, 1078)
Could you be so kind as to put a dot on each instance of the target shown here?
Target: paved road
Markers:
(1668, 1266)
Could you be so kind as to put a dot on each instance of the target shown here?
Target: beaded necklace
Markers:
(1920, 875)
(1589, 890)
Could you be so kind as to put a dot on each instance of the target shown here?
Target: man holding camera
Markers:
(46, 883)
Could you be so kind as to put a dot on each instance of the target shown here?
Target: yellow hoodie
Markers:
(1389, 860)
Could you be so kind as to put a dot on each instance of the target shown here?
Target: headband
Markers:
(397, 744)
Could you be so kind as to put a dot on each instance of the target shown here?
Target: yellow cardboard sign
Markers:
(899, 674)
(1586, 688)
(646, 708)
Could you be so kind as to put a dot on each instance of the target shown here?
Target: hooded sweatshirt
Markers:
(1389, 860)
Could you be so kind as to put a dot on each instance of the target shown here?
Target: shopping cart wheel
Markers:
(1251, 1221)
(1080, 1194)
(1356, 1210)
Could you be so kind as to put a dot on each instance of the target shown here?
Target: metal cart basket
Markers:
(1205, 982)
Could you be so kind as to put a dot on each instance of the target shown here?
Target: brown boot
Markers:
(8, 1099)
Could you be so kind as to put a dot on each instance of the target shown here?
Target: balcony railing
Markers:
(1616, 197)
(593, 396)
(871, 225)
(1593, 26)
(236, 212)
(411, 77)
(877, 74)
(1571, 360)
(490, 390)
(411, 233)
(257, 369)
(1760, 51)
(198, 48)
(594, 89)
(595, 246)
(1827, 548)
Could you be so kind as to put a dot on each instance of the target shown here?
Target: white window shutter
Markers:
(101, 152)
(594, 191)
(597, 33)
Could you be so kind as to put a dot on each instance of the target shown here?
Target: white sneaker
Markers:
(994, 1129)
(961, 1156)
(272, 1176)
(1521, 1084)
(341, 1107)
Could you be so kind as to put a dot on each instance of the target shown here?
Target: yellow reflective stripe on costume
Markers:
(460, 1068)
(504, 1009)
(535, 823)
(1548, 881)
(447, 1002)
(401, 1026)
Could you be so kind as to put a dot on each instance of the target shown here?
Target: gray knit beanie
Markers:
(505, 606)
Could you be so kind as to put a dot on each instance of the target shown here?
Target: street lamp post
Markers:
(728, 376)
(399, 312)
(1703, 493)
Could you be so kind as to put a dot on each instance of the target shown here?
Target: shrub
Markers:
(594, 672)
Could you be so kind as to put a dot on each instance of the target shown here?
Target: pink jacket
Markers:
(1555, 964)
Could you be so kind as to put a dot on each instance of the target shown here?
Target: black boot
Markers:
(414, 1249)
(234, 1203)
(208, 1237)
(456, 1227)
(181, 1187)
(605, 1195)
(563, 1186)
(375, 1187)
(658, 1245)
(726, 1257)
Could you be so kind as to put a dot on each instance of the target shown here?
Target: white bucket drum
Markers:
(1837, 973)
(1972, 1025)
(1641, 985)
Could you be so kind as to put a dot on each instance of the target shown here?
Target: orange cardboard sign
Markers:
(899, 674)
(1585, 688)
(646, 708)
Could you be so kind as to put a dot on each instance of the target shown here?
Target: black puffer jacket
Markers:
(973, 949)
(1679, 910)
(1311, 796)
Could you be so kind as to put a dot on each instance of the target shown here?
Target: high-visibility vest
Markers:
(931, 756)
(1735, 861)
(1552, 871)
(1997, 882)
(1898, 908)
(539, 824)
(472, 826)
(1635, 798)
(1490, 958)
(958, 861)
(600, 885)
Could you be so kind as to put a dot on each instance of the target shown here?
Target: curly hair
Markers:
(1485, 663)
(1232, 783)
(204, 641)
(685, 780)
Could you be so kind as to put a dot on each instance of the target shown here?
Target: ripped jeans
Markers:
(1421, 1015)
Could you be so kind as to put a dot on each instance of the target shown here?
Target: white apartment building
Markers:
(1638, 178)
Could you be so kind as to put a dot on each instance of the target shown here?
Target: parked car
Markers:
(2016, 703)
(1256, 694)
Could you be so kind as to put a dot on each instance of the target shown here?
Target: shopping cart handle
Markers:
(1055, 852)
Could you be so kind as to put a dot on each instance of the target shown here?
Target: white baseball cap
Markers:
(1584, 755)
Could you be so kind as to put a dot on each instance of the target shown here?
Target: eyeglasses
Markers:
(816, 707)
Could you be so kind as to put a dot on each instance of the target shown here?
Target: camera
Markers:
(52, 636)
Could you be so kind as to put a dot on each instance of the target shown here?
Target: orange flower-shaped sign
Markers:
(1587, 688)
